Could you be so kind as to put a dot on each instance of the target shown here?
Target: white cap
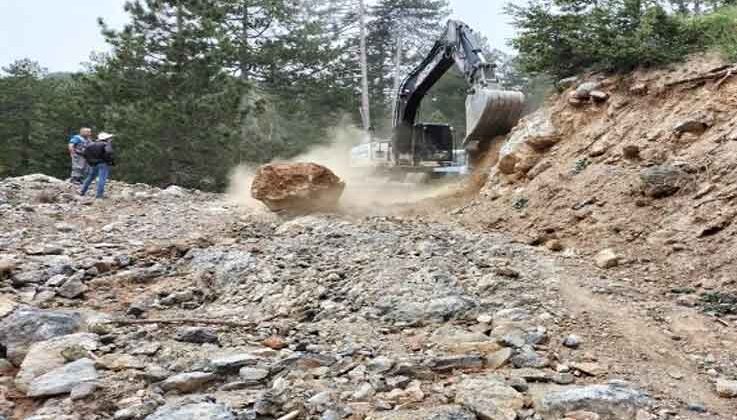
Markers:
(105, 136)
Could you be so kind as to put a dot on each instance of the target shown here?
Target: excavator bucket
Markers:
(489, 113)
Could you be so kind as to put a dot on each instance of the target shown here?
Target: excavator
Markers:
(430, 148)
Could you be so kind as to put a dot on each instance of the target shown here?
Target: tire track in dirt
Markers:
(662, 355)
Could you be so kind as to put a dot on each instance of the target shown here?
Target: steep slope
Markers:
(650, 173)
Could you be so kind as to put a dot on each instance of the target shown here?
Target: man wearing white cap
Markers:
(99, 155)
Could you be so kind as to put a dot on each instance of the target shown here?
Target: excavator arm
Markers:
(489, 110)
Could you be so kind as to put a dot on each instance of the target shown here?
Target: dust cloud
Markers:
(367, 192)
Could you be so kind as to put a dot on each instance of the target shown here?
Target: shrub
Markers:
(566, 37)
(717, 30)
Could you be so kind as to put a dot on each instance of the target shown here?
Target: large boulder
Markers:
(27, 325)
(297, 187)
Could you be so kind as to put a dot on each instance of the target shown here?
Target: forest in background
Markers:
(193, 88)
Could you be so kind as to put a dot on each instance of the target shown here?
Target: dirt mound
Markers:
(297, 186)
(649, 173)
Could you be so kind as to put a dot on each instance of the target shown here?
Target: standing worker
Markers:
(77, 144)
(99, 155)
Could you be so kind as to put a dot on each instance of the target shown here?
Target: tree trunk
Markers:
(397, 73)
(244, 69)
(365, 111)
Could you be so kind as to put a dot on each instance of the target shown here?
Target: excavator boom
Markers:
(490, 111)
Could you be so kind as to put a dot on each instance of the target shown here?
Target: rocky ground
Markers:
(175, 304)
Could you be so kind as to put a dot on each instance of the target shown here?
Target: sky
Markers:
(61, 34)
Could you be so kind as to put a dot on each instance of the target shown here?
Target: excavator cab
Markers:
(432, 145)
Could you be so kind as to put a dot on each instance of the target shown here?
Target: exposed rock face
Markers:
(29, 325)
(297, 187)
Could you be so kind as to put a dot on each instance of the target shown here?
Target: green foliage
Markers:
(580, 165)
(717, 30)
(520, 203)
(719, 303)
(565, 37)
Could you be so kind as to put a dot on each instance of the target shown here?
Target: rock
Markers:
(572, 341)
(83, 390)
(489, 398)
(575, 102)
(639, 89)
(7, 305)
(234, 362)
(644, 415)
(662, 181)
(146, 349)
(27, 325)
(155, 373)
(297, 186)
(6, 268)
(198, 335)
(117, 362)
(446, 412)
(364, 392)
(599, 96)
(46, 356)
(380, 364)
(631, 151)
(691, 126)
(193, 409)
(250, 374)
(584, 90)
(582, 415)
(275, 342)
(63, 379)
(696, 407)
(614, 401)
(56, 281)
(606, 258)
(174, 191)
(554, 245)
(566, 83)
(450, 363)
(527, 357)
(589, 368)
(499, 358)
(136, 411)
(563, 378)
(72, 288)
(507, 163)
(45, 249)
(726, 388)
(65, 227)
(187, 382)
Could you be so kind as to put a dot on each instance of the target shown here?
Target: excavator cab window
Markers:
(433, 143)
